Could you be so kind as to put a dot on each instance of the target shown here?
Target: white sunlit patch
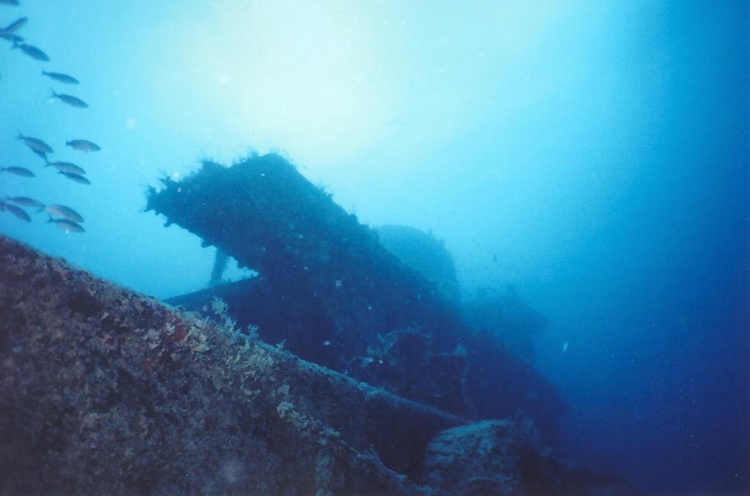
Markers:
(299, 75)
(222, 78)
(233, 272)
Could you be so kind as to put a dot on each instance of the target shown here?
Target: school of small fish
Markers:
(64, 217)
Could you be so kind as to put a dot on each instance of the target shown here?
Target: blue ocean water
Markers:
(593, 155)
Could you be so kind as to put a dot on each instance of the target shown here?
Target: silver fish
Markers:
(70, 100)
(18, 212)
(14, 26)
(31, 51)
(19, 171)
(64, 212)
(83, 145)
(67, 167)
(39, 154)
(61, 78)
(12, 37)
(75, 177)
(24, 201)
(35, 144)
(67, 225)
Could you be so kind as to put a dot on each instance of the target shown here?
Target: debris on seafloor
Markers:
(335, 296)
(106, 391)
(457, 458)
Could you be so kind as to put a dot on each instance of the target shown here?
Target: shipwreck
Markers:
(339, 369)
(335, 296)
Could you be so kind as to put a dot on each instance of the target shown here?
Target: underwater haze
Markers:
(591, 155)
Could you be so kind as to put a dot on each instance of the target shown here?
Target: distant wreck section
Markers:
(106, 391)
(336, 297)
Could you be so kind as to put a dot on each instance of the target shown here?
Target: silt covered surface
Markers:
(106, 391)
